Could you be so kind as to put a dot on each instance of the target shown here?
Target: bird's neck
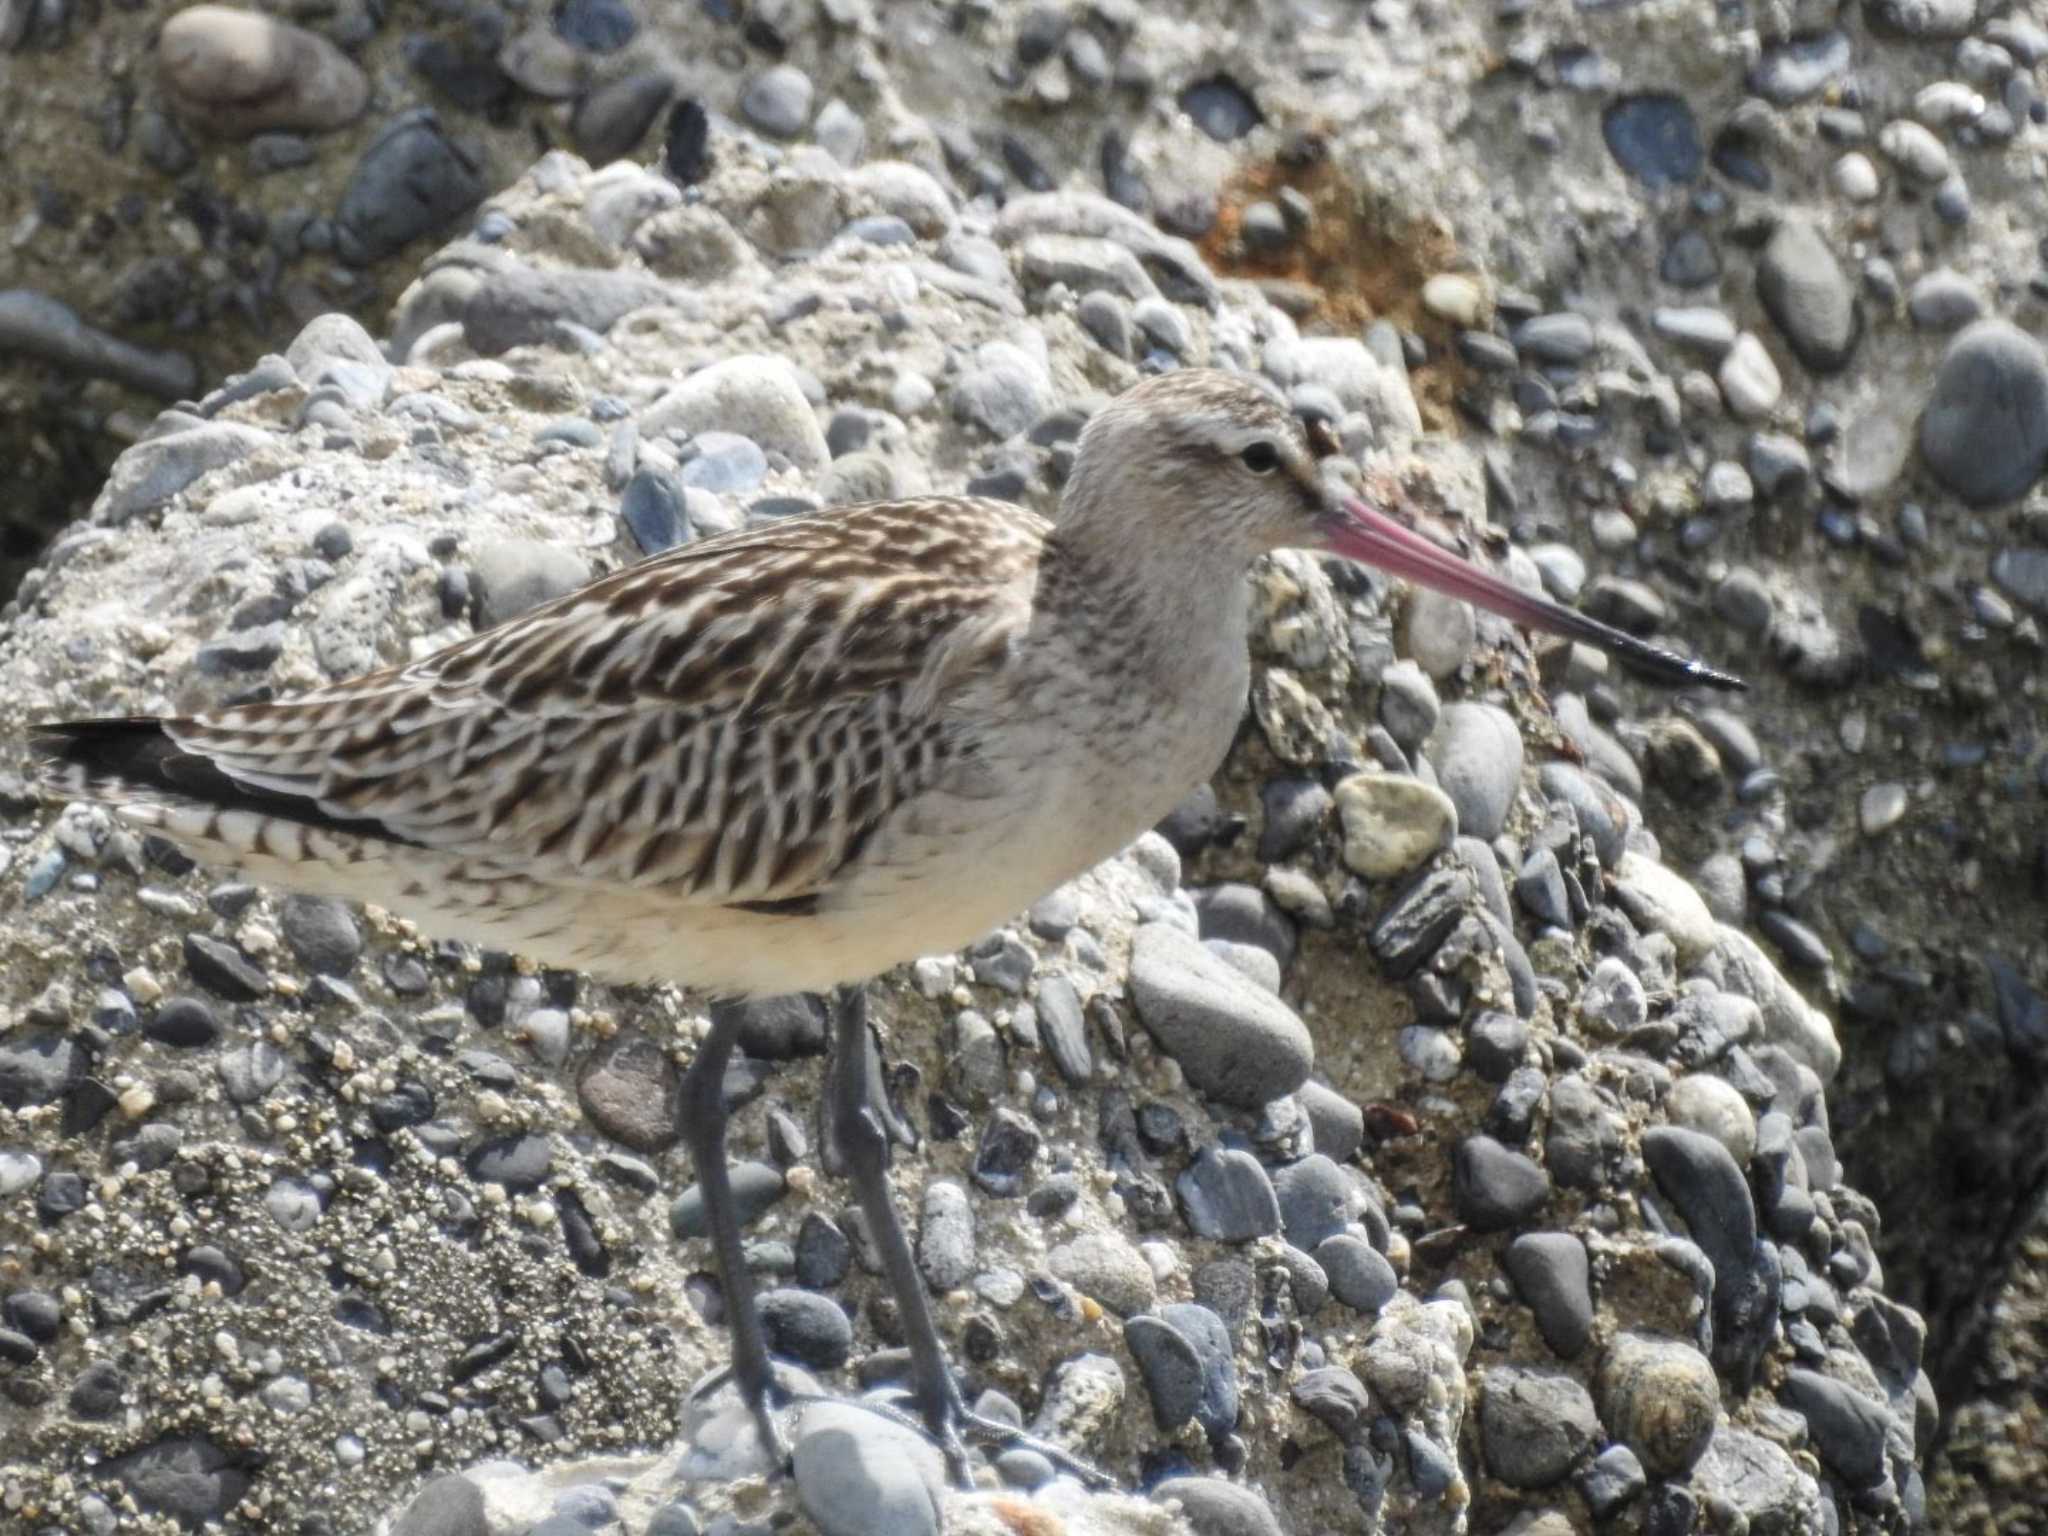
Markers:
(1176, 612)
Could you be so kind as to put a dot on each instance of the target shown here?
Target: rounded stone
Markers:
(858, 1474)
(1660, 1398)
(1236, 1042)
(1655, 138)
(239, 73)
(753, 396)
(1749, 380)
(1533, 1425)
(1808, 296)
(1393, 823)
(1477, 755)
(1551, 1273)
(1985, 432)
(1699, 1101)
(1105, 1267)
(778, 101)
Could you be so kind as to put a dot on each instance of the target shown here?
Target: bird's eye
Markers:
(1261, 458)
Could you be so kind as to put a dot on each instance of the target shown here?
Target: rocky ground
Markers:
(1721, 316)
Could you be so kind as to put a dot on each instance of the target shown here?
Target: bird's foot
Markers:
(737, 1433)
(957, 1425)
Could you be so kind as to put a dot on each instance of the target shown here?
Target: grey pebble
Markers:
(1235, 1041)
(1533, 1424)
(1551, 1274)
(1214, 1507)
(1984, 434)
(1227, 1196)
(1360, 1276)
(1849, 1430)
(778, 101)
(1495, 1187)
(755, 1187)
(945, 1239)
(858, 1474)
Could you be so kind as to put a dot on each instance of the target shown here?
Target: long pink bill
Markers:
(1376, 539)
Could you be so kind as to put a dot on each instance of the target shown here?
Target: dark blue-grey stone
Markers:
(755, 1187)
(517, 1162)
(410, 181)
(1221, 108)
(1655, 138)
(1551, 1274)
(1611, 1479)
(1495, 1188)
(652, 508)
(1359, 1274)
(1848, 1428)
(1985, 432)
(1533, 1425)
(595, 26)
(806, 1327)
(192, 1480)
(1317, 1200)
(1227, 1197)
(1184, 1354)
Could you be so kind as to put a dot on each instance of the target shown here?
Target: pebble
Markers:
(1801, 68)
(1214, 1507)
(411, 180)
(1655, 138)
(756, 1187)
(1855, 178)
(751, 396)
(1984, 434)
(1184, 1355)
(1317, 1200)
(1880, 808)
(1533, 1424)
(858, 1474)
(1104, 1266)
(240, 73)
(1660, 1398)
(1477, 755)
(778, 101)
(1849, 1429)
(1749, 379)
(1221, 108)
(1711, 1105)
(1227, 1196)
(1236, 1042)
(1494, 1187)
(1915, 151)
(1360, 1276)
(1551, 1274)
(1392, 823)
(1703, 1181)
(1808, 296)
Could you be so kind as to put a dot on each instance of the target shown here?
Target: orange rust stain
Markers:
(1360, 266)
(1026, 1518)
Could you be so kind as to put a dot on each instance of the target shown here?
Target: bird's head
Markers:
(1223, 460)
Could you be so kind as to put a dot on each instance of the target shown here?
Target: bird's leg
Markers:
(704, 1118)
(864, 1147)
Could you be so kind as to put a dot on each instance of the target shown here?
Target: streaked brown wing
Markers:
(729, 721)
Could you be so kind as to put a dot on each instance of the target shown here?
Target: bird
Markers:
(791, 757)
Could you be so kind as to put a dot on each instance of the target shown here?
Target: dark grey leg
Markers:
(704, 1128)
(864, 1148)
